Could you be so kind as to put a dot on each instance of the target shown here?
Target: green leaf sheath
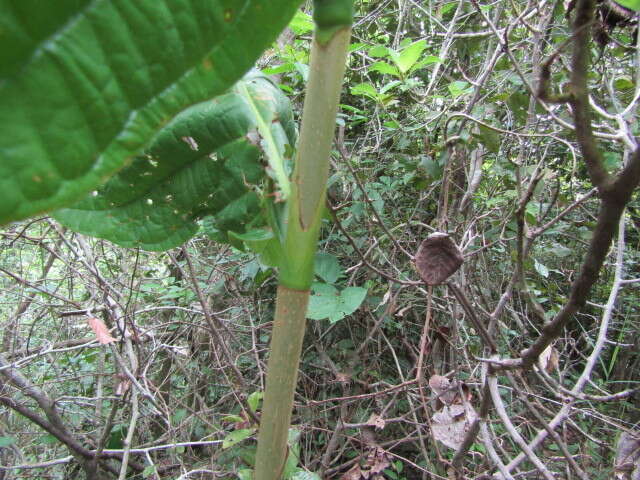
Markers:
(331, 15)
(87, 85)
(206, 162)
(312, 160)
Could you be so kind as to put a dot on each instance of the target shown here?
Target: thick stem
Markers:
(305, 217)
(286, 345)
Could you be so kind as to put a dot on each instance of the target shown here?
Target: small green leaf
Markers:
(149, 470)
(233, 419)
(291, 464)
(179, 415)
(560, 250)
(447, 7)
(245, 474)
(324, 301)
(49, 439)
(378, 51)
(428, 60)
(623, 83)
(327, 267)
(264, 243)
(391, 474)
(293, 436)
(489, 138)
(254, 400)
(390, 86)
(301, 23)
(458, 88)
(365, 89)
(350, 300)
(409, 55)
(301, 474)
(384, 67)
(329, 302)
(612, 160)
(293, 457)
(278, 69)
(541, 269)
(237, 436)
(518, 102)
(431, 167)
(116, 437)
(6, 441)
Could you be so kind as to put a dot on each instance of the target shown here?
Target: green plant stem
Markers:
(296, 273)
(282, 373)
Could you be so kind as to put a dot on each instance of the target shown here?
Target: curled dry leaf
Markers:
(354, 473)
(437, 258)
(100, 329)
(445, 390)
(627, 462)
(451, 424)
(549, 359)
(374, 463)
(376, 421)
(122, 386)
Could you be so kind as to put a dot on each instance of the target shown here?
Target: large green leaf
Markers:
(86, 85)
(206, 162)
(632, 4)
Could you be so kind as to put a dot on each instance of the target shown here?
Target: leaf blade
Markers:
(203, 164)
(99, 80)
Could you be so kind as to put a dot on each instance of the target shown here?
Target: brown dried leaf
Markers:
(437, 258)
(627, 462)
(369, 469)
(378, 460)
(451, 424)
(443, 388)
(368, 437)
(123, 385)
(100, 329)
(376, 421)
(549, 359)
(343, 377)
(354, 473)
(439, 384)
(466, 392)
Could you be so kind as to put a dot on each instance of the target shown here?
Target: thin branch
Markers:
(511, 429)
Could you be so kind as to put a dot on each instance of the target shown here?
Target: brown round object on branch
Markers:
(437, 258)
